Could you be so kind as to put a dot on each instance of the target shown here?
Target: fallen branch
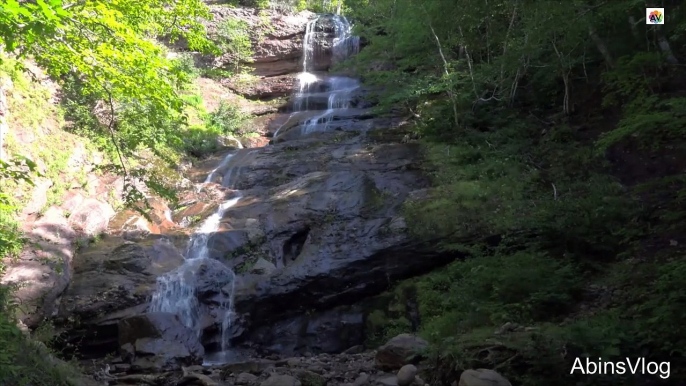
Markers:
(554, 191)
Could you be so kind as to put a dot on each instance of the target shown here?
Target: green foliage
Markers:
(498, 183)
(227, 119)
(185, 64)
(234, 38)
(202, 139)
(647, 118)
(23, 361)
(120, 89)
(521, 287)
(518, 104)
(14, 172)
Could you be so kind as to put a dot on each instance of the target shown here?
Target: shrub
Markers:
(523, 287)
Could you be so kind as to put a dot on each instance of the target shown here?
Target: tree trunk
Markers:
(602, 47)
(634, 29)
(663, 43)
(447, 74)
(564, 72)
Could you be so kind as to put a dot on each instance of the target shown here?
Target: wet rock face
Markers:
(328, 206)
(113, 279)
(158, 342)
(330, 331)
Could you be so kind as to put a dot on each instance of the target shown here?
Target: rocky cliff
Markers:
(314, 224)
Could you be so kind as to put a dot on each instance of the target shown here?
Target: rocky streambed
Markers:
(393, 364)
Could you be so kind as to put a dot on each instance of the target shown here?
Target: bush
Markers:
(523, 287)
(234, 38)
(24, 362)
(201, 140)
(227, 119)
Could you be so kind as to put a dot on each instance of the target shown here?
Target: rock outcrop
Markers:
(158, 342)
(317, 228)
(113, 279)
(277, 46)
(44, 267)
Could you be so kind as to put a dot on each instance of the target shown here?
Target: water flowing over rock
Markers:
(272, 248)
(179, 292)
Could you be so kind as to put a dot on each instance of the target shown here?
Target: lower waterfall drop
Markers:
(177, 290)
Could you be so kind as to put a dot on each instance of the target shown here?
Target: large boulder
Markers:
(482, 377)
(158, 341)
(113, 279)
(399, 351)
(91, 217)
(406, 375)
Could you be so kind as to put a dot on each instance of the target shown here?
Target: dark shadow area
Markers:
(293, 246)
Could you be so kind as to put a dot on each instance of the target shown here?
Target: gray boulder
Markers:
(158, 341)
(399, 351)
(281, 380)
(308, 378)
(482, 377)
(246, 379)
(406, 375)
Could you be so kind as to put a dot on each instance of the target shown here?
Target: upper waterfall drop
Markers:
(328, 40)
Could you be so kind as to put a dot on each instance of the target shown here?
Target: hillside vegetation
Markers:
(554, 133)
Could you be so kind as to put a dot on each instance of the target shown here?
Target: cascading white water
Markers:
(177, 290)
(224, 162)
(340, 97)
(345, 43)
(309, 46)
(337, 90)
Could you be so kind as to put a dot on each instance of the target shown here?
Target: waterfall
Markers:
(345, 44)
(340, 97)
(177, 291)
(319, 97)
(337, 91)
(308, 51)
(222, 164)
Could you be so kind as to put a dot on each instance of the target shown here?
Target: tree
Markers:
(109, 47)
